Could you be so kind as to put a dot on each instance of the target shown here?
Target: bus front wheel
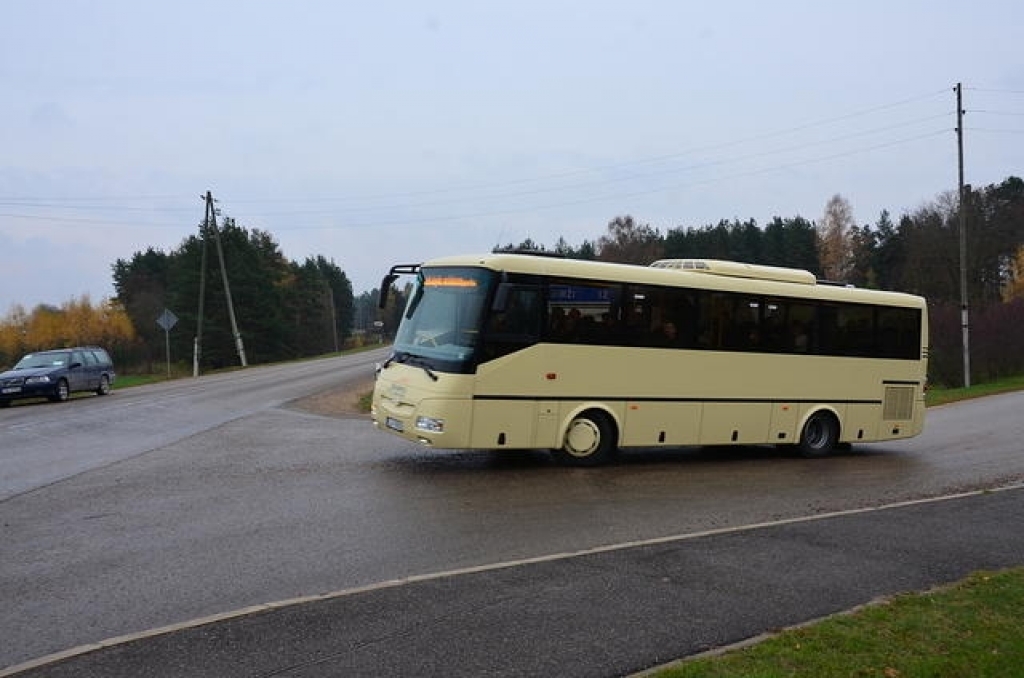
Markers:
(589, 441)
(819, 436)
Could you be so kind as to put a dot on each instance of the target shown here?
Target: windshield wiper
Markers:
(418, 361)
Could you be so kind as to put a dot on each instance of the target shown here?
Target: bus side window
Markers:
(515, 326)
(581, 313)
(741, 323)
(801, 320)
(856, 330)
(715, 331)
(773, 325)
(521, 313)
(636, 315)
(899, 333)
(674, 319)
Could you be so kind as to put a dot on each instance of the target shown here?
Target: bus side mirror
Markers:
(385, 287)
(396, 270)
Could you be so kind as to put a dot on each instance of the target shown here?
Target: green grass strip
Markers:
(941, 396)
(973, 628)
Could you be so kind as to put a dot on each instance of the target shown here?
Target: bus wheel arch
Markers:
(819, 435)
(590, 438)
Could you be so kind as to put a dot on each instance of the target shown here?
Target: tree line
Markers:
(74, 323)
(284, 309)
(287, 309)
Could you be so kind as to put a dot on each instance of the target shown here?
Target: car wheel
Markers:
(104, 387)
(589, 441)
(819, 437)
(63, 392)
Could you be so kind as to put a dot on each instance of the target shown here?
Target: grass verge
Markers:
(972, 628)
(941, 396)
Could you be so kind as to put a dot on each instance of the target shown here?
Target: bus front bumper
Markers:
(433, 423)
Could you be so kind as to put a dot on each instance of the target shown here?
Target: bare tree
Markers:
(630, 243)
(835, 250)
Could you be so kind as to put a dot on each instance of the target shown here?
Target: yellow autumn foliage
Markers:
(1014, 287)
(77, 322)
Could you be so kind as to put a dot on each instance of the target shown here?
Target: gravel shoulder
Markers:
(342, 402)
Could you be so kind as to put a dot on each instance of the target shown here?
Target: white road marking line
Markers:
(412, 579)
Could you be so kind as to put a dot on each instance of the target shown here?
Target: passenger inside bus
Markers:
(666, 335)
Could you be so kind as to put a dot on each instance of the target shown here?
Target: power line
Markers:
(93, 198)
(400, 221)
(995, 91)
(615, 196)
(82, 220)
(990, 130)
(561, 175)
(502, 190)
(52, 204)
(607, 181)
(1014, 114)
(648, 160)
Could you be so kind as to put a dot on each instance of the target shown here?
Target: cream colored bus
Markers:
(520, 351)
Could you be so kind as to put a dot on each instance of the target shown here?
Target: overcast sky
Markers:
(385, 132)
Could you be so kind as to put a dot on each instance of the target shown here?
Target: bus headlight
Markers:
(430, 424)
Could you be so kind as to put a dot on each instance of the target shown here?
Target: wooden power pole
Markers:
(963, 200)
(210, 224)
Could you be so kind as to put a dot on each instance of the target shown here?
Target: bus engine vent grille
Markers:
(899, 403)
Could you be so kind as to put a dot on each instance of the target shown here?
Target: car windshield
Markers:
(47, 359)
(442, 319)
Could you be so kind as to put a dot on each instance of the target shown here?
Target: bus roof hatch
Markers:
(736, 269)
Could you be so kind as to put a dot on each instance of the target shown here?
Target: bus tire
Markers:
(589, 440)
(819, 435)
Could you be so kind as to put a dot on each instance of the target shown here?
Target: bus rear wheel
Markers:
(819, 436)
(589, 441)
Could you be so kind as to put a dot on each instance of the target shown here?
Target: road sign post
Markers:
(167, 320)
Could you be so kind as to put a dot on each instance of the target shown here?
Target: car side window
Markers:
(89, 359)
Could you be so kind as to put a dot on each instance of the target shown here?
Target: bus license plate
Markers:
(394, 424)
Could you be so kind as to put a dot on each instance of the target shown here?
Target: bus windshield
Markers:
(442, 319)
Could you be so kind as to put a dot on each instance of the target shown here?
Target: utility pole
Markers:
(224, 277)
(334, 317)
(964, 316)
(198, 343)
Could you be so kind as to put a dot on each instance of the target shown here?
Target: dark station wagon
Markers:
(57, 373)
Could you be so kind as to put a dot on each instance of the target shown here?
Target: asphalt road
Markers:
(614, 612)
(251, 500)
(40, 445)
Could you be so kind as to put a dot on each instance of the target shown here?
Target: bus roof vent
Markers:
(531, 252)
(736, 269)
